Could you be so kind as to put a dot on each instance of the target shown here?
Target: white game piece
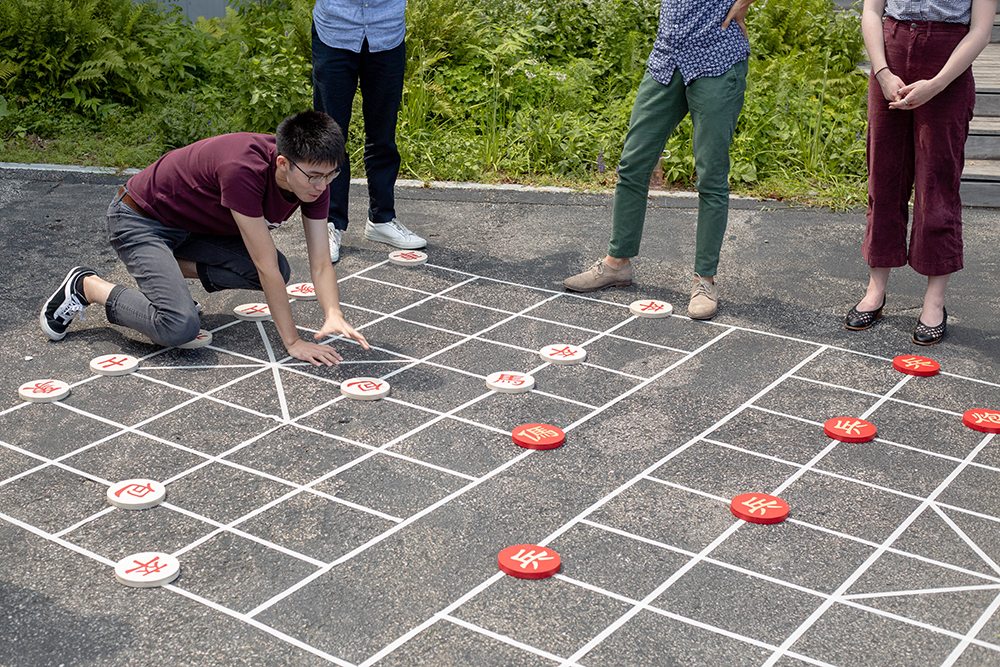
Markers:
(651, 308)
(364, 389)
(407, 257)
(562, 354)
(136, 494)
(253, 312)
(147, 569)
(201, 340)
(114, 364)
(43, 391)
(302, 291)
(510, 382)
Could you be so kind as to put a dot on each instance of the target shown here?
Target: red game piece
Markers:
(759, 508)
(914, 365)
(538, 436)
(529, 561)
(849, 429)
(981, 419)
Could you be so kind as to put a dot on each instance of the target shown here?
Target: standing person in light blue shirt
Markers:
(698, 66)
(360, 42)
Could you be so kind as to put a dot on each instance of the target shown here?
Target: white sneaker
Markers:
(393, 233)
(335, 236)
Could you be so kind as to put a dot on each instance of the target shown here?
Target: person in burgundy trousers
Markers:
(920, 100)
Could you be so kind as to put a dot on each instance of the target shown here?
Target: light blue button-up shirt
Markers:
(691, 38)
(947, 11)
(345, 24)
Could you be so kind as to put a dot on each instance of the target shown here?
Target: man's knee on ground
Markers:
(178, 328)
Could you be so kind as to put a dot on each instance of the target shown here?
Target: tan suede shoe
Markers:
(704, 300)
(599, 276)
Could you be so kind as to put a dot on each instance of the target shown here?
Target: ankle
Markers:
(616, 262)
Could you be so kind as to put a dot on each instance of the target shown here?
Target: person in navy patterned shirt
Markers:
(698, 65)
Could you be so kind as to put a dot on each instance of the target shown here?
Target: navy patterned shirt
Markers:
(346, 24)
(946, 11)
(691, 38)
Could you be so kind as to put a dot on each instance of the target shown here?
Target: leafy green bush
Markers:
(95, 53)
(494, 89)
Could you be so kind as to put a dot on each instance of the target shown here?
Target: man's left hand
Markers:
(738, 12)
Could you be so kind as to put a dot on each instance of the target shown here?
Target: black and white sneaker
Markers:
(65, 304)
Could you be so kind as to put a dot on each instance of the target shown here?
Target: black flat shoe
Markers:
(859, 320)
(925, 335)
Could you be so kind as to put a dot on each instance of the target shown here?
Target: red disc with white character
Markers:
(538, 436)
(849, 429)
(914, 365)
(529, 561)
(981, 419)
(364, 389)
(759, 508)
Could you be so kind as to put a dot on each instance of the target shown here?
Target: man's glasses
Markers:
(318, 177)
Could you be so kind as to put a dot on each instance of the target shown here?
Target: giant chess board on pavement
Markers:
(367, 532)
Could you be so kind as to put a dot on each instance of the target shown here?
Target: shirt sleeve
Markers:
(242, 188)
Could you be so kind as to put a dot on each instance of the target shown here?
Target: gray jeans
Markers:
(162, 307)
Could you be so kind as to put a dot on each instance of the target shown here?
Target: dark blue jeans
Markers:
(336, 74)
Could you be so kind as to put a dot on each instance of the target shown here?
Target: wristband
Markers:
(879, 71)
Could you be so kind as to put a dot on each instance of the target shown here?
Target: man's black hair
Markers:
(312, 137)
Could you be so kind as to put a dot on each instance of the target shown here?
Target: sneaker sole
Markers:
(394, 244)
(595, 289)
(54, 335)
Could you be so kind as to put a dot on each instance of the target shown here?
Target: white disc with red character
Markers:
(510, 382)
(651, 308)
(408, 257)
(203, 339)
(147, 569)
(43, 391)
(136, 494)
(562, 354)
(302, 291)
(253, 312)
(364, 389)
(114, 364)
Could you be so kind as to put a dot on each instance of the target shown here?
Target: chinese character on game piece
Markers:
(762, 504)
(566, 352)
(46, 387)
(408, 255)
(530, 558)
(365, 385)
(150, 567)
(848, 427)
(137, 490)
(917, 363)
(538, 433)
(516, 380)
(112, 361)
(652, 306)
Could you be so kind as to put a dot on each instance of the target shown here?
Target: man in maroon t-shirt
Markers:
(205, 211)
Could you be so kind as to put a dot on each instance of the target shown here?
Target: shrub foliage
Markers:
(495, 89)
